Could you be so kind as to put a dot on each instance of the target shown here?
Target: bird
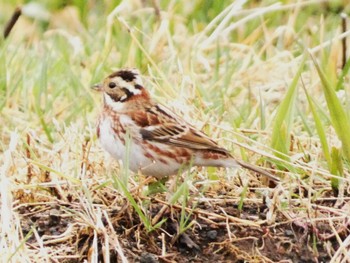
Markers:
(157, 142)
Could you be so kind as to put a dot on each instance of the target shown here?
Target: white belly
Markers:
(115, 147)
(135, 155)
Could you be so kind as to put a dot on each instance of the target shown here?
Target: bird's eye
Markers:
(112, 85)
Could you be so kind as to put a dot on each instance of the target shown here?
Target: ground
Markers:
(219, 231)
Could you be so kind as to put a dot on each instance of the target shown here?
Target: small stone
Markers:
(148, 258)
(54, 220)
(212, 234)
(288, 233)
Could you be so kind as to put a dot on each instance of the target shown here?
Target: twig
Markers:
(344, 46)
(343, 247)
(29, 166)
(161, 212)
(10, 24)
(56, 239)
(216, 216)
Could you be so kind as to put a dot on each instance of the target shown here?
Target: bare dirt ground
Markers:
(220, 232)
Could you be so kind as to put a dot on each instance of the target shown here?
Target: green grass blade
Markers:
(284, 117)
(3, 81)
(120, 185)
(342, 76)
(20, 246)
(181, 191)
(338, 115)
(242, 197)
(40, 91)
(319, 128)
(51, 170)
(126, 160)
(184, 219)
(262, 112)
(336, 168)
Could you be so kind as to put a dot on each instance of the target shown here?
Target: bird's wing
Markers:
(161, 125)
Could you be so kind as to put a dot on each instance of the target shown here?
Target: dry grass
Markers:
(228, 70)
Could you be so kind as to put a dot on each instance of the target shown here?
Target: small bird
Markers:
(158, 142)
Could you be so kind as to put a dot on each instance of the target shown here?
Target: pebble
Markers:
(212, 234)
(148, 258)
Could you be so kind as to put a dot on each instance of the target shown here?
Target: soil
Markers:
(209, 239)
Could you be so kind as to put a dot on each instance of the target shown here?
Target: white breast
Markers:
(115, 146)
(109, 141)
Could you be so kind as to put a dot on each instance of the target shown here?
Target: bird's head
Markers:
(121, 86)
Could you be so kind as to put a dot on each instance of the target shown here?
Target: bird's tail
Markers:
(257, 170)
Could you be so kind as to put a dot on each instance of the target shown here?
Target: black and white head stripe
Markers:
(128, 75)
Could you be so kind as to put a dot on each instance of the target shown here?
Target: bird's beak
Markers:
(97, 87)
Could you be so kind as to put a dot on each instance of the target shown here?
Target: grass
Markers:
(263, 78)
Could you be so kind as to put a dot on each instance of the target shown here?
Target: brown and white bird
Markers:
(159, 142)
